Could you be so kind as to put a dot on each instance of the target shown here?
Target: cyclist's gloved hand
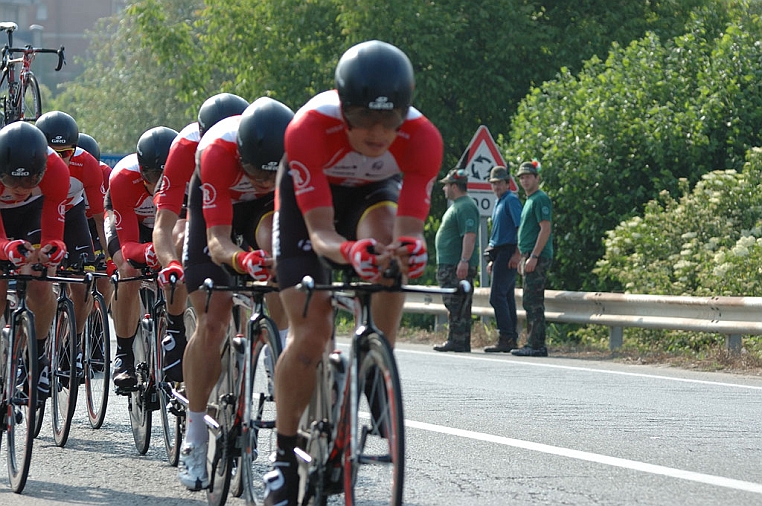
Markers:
(17, 252)
(55, 251)
(362, 256)
(416, 248)
(173, 269)
(111, 267)
(252, 263)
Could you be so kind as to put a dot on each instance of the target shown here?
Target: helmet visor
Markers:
(362, 117)
(151, 176)
(26, 182)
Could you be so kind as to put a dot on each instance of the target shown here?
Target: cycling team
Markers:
(250, 188)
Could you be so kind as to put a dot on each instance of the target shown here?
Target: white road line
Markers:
(593, 457)
(585, 369)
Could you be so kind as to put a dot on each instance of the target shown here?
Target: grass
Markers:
(718, 360)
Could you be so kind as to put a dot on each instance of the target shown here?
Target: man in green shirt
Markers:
(457, 258)
(536, 247)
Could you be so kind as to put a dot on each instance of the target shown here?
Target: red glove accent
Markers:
(252, 263)
(173, 269)
(15, 252)
(152, 261)
(56, 252)
(418, 255)
(111, 267)
(362, 256)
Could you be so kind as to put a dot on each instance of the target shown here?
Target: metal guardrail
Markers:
(732, 316)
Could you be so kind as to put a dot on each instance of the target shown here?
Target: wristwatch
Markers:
(534, 256)
(464, 260)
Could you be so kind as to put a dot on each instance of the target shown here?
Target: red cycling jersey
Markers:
(86, 182)
(131, 202)
(178, 170)
(54, 185)
(319, 155)
(106, 172)
(223, 181)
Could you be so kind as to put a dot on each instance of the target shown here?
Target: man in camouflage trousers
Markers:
(457, 258)
(536, 247)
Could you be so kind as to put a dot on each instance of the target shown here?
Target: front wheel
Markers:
(21, 396)
(374, 437)
(65, 384)
(32, 105)
(97, 353)
(138, 403)
(258, 407)
(171, 435)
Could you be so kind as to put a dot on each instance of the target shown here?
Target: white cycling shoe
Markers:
(192, 466)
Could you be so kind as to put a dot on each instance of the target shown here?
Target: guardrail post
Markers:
(733, 343)
(440, 321)
(616, 335)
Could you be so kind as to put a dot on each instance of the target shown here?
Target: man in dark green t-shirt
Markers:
(457, 258)
(536, 247)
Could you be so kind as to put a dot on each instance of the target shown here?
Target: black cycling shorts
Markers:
(197, 264)
(294, 257)
(23, 222)
(77, 236)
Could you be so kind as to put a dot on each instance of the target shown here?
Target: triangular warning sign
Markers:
(479, 158)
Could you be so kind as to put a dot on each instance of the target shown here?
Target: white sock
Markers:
(195, 428)
(283, 333)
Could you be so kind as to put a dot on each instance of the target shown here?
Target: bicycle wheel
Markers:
(21, 394)
(222, 408)
(65, 384)
(374, 440)
(177, 408)
(138, 402)
(32, 104)
(258, 405)
(97, 353)
(168, 425)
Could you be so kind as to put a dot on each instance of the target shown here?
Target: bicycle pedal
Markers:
(125, 390)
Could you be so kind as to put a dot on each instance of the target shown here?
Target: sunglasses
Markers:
(65, 152)
(258, 176)
(362, 117)
(151, 176)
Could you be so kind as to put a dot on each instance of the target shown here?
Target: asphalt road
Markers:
(487, 430)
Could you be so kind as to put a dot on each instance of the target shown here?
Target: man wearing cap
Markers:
(457, 258)
(536, 247)
(504, 259)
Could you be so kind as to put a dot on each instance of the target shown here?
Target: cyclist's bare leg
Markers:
(82, 306)
(201, 362)
(263, 236)
(125, 307)
(42, 302)
(295, 369)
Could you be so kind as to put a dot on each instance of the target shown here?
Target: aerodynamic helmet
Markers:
(260, 134)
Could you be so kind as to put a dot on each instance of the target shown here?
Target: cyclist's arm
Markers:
(55, 187)
(163, 236)
(221, 248)
(325, 240)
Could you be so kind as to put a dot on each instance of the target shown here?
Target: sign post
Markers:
(477, 160)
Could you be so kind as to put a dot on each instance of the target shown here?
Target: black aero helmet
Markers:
(260, 134)
(90, 145)
(153, 148)
(217, 107)
(375, 75)
(59, 128)
(23, 155)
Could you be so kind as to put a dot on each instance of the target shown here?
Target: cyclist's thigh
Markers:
(354, 206)
(77, 235)
(23, 222)
(247, 219)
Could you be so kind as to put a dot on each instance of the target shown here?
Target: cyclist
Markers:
(129, 226)
(85, 186)
(354, 187)
(231, 195)
(169, 229)
(29, 169)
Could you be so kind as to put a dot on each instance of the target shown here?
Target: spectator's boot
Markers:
(504, 345)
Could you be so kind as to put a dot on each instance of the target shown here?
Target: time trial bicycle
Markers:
(352, 434)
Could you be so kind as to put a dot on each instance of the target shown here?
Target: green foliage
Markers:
(624, 129)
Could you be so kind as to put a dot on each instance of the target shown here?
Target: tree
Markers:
(624, 129)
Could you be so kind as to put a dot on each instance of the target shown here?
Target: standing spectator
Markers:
(457, 258)
(504, 259)
(536, 247)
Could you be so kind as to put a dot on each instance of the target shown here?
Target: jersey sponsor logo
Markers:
(381, 104)
(61, 210)
(164, 185)
(209, 195)
(429, 187)
(117, 219)
(301, 177)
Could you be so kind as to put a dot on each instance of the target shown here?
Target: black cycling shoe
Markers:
(124, 376)
(43, 379)
(282, 483)
(173, 356)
